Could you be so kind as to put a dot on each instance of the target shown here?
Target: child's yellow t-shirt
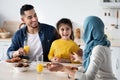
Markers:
(62, 49)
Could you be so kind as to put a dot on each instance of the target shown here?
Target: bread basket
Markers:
(4, 35)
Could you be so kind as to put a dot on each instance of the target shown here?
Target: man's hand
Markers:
(19, 52)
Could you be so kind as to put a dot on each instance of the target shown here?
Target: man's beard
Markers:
(34, 27)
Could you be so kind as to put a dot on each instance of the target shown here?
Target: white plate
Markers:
(11, 64)
(21, 69)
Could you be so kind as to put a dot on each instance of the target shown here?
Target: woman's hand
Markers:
(59, 67)
(19, 52)
(56, 67)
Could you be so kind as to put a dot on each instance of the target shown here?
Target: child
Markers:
(62, 48)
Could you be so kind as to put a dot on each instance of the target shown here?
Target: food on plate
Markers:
(16, 59)
(24, 60)
(22, 64)
(21, 67)
(19, 64)
(70, 67)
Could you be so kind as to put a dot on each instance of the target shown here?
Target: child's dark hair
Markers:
(67, 22)
(25, 8)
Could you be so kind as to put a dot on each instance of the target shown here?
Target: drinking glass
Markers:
(26, 48)
(39, 67)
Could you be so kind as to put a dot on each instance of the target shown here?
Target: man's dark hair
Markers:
(25, 8)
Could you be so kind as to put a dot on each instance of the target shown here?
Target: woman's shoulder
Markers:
(100, 50)
(100, 47)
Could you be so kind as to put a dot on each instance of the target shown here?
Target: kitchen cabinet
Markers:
(110, 3)
(115, 57)
(4, 44)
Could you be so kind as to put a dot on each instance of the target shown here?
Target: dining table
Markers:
(7, 72)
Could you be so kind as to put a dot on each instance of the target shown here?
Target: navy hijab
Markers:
(93, 36)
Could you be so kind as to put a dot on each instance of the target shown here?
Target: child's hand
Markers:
(56, 59)
(75, 57)
(62, 60)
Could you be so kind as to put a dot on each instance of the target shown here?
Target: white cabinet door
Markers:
(116, 61)
(110, 4)
(3, 49)
(119, 64)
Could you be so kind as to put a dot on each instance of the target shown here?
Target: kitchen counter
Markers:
(6, 39)
(4, 45)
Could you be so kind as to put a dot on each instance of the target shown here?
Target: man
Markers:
(37, 36)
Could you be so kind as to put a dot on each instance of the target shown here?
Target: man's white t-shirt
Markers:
(35, 45)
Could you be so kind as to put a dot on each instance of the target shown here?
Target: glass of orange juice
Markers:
(26, 48)
(39, 67)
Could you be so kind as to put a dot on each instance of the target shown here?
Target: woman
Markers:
(96, 57)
